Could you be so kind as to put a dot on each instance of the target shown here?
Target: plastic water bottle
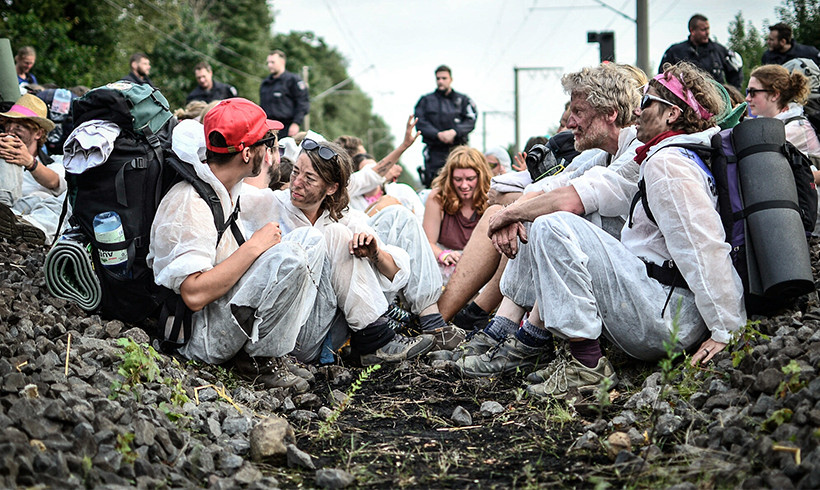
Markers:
(108, 229)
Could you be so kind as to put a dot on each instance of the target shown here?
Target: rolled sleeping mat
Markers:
(70, 273)
(9, 88)
(777, 250)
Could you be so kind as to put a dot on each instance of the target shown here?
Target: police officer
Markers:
(445, 118)
(724, 65)
(208, 89)
(283, 95)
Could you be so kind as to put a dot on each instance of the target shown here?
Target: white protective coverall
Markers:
(590, 284)
(601, 188)
(281, 285)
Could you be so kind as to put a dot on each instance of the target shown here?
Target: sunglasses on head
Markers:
(270, 142)
(326, 153)
(648, 99)
(751, 92)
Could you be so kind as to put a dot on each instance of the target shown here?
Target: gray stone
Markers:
(653, 380)
(698, 399)
(138, 335)
(636, 437)
(624, 420)
(248, 474)
(643, 399)
(764, 406)
(589, 441)
(337, 397)
(333, 478)
(238, 446)
(230, 462)
(461, 417)
(144, 432)
(207, 395)
(288, 405)
(299, 458)
(269, 439)
(768, 380)
(721, 400)
(303, 415)
(490, 408)
(212, 428)
(667, 424)
(325, 413)
(308, 400)
(235, 425)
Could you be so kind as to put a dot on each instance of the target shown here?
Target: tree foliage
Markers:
(746, 40)
(89, 43)
(804, 18)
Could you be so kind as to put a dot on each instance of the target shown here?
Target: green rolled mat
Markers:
(70, 273)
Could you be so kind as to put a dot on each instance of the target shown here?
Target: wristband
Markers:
(33, 166)
(443, 255)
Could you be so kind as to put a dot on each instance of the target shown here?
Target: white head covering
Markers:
(291, 149)
(188, 141)
(502, 156)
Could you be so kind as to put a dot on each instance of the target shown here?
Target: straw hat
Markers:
(30, 107)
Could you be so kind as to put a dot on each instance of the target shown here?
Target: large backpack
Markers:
(720, 161)
(132, 181)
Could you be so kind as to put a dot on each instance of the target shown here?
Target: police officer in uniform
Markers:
(208, 89)
(445, 118)
(723, 64)
(284, 95)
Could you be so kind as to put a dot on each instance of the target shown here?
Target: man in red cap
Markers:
(249, 296)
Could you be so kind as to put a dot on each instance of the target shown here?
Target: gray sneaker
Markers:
(399, 349)
(447, 337)
(506, 356)
(476, 345)
(565, 373)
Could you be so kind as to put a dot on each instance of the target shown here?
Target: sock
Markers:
(500, 327)
(432, 321)
(588, 352)
(534, 336)
(471, 317)
(372, 337)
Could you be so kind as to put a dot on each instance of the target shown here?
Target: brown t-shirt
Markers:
(456, 230)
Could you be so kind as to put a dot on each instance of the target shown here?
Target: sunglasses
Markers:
(270, 142)
(647, 99)
(751, 92)
(327, 154)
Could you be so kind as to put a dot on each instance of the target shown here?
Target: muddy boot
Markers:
(270, 371)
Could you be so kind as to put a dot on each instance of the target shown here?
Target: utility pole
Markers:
(642, 34)
(305, 73)
(484, 125)
(517, 69)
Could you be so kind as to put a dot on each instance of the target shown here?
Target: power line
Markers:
(182, 44)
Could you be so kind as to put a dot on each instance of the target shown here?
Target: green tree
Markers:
(804, 18)
(746, 40)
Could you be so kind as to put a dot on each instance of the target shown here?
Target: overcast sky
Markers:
(393, 46)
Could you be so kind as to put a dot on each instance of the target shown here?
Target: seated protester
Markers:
(602, 102)
(368, 178)
(676, 274)
(774, 92)
(32, 186)
(455, 204)
(249, 300)
(388, 194)
(499, 160)
(508, 186)
(363, 271)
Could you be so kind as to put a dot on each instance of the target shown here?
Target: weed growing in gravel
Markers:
(792, 384)
(741, 343)
(124, 447)
(138, 362)
(326, 426)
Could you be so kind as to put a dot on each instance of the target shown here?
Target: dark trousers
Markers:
(433, 161)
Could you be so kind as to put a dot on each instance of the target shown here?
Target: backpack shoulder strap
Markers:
(210, 197)
(795, 118)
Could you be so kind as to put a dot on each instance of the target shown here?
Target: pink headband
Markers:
(23, 110)
(676, 87)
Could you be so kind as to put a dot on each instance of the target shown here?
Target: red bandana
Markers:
(641, 152)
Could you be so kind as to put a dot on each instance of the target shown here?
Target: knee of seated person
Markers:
(551, 221)
(337, 235)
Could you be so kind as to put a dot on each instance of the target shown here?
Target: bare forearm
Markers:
(532, 206)
(385, 264)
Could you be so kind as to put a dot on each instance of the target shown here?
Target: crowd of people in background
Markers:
(501, 256)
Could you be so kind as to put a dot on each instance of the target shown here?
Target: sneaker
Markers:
(508, 355)
(565, 373)
(271, 372)
(477, 343)
(447, 337)
(402, 321)
(399, 349)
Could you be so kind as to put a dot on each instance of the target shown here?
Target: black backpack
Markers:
(132, 182)
(720, 162)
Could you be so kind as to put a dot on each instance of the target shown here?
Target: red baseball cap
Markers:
(241, 122)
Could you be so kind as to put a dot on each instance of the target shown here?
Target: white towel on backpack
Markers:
(89, 145)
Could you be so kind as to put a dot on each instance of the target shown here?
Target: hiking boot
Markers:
(565, 373)
(270, 371)
(477, 343)
(508, 355)
(447, 337)
(399, 349)
(402, 321)
(297, 368)
(12, 227)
